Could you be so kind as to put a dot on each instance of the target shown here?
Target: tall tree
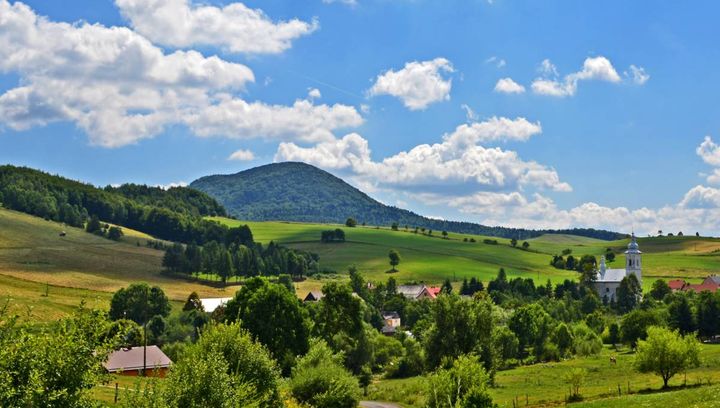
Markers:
(139, 302)
(708, 314)
(628, 293)
(394, 256)
(680, 314)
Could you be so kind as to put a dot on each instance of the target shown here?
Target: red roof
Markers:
(712, 287)
(434, 290)
(677, 284)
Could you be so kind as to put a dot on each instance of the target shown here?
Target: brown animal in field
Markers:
(613, 360)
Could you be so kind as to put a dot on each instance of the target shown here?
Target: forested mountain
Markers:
(174, 214)
(294, 191)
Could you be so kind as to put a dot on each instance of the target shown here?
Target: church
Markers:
(608, 280)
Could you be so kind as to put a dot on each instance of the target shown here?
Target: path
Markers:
(376, 404)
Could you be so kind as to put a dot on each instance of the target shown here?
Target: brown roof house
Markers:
(129, 361)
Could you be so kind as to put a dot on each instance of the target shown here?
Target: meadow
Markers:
(540, 385)
(36, 261)
(432, 259)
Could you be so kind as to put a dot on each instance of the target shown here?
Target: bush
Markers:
(319, 379)
(462, 385)
(586, 342)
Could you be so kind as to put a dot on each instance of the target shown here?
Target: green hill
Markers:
(432, 259)
(300, 192)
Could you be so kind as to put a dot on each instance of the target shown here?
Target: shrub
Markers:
(319, 379)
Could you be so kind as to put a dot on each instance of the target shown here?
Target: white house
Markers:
(608, 280)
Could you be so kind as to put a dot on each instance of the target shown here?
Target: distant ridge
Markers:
(295, 191)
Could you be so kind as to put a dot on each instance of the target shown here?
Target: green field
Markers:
(543, 385)
(34, 260)
(432, 259)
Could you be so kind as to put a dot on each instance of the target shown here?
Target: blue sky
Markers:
(606, 128)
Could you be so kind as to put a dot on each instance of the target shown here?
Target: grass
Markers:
(543, 384)
(433, 259)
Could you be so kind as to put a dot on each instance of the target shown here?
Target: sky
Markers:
(553, 114)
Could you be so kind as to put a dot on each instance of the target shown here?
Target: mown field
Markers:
(432, 259)
(542, 385)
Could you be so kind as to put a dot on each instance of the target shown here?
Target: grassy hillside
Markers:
(300, 192)
(432, 259)
(79, 266)
(543, 384)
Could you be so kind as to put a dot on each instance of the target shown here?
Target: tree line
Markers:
(239, 256)
(174, 214)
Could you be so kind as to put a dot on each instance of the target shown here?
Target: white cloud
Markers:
(497, 61)
(172, 185)
(351, 151)
(242, 155)
(236, 27)
(120, 88)
(508, 86)
(458, 160)
(637, 75)
(709, 152)
(314, 93)
(594, 68)
(238, 119)
(418, 84)
(699, 211)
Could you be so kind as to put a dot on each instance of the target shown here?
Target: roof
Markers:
(633, 247)
(611, 275)
(676, 284)
(712, 287)
(390, 315)
(434, 290)
(713, 279)
(314, 296)
(410, 291)
(132, 359)
(210, 304)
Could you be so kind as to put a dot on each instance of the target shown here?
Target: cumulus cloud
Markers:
(508, 86)
(418, 84)
(314, 93)
(514, 209)
(709, 152)
(594, 68)
(637, 75)
(120, 88)
(235, 27)
(242, 155)
(457, 160)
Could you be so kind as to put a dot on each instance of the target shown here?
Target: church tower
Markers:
(633, 259)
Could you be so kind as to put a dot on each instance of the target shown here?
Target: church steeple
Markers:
(633, 258)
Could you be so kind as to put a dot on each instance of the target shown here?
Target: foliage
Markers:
(395, 259)
(463, 385)
(681, 315)
(139, 302)
(628, 293)
(54, 366)
(708, 314)
(274, 317)
(635, 325)
(659, 290)
(174, 214)
(351, 223)
(336, 235)
(666, 353)
(300, 192)
(575, 378)
(320, 380)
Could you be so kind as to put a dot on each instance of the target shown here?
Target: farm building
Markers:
(131, 361)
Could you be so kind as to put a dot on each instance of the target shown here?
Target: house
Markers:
(677, 285)
(608, 280)
(392, 323)
(210, 304)
(711, 283)
(313, 296)
(417, 292)
(131, 361)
